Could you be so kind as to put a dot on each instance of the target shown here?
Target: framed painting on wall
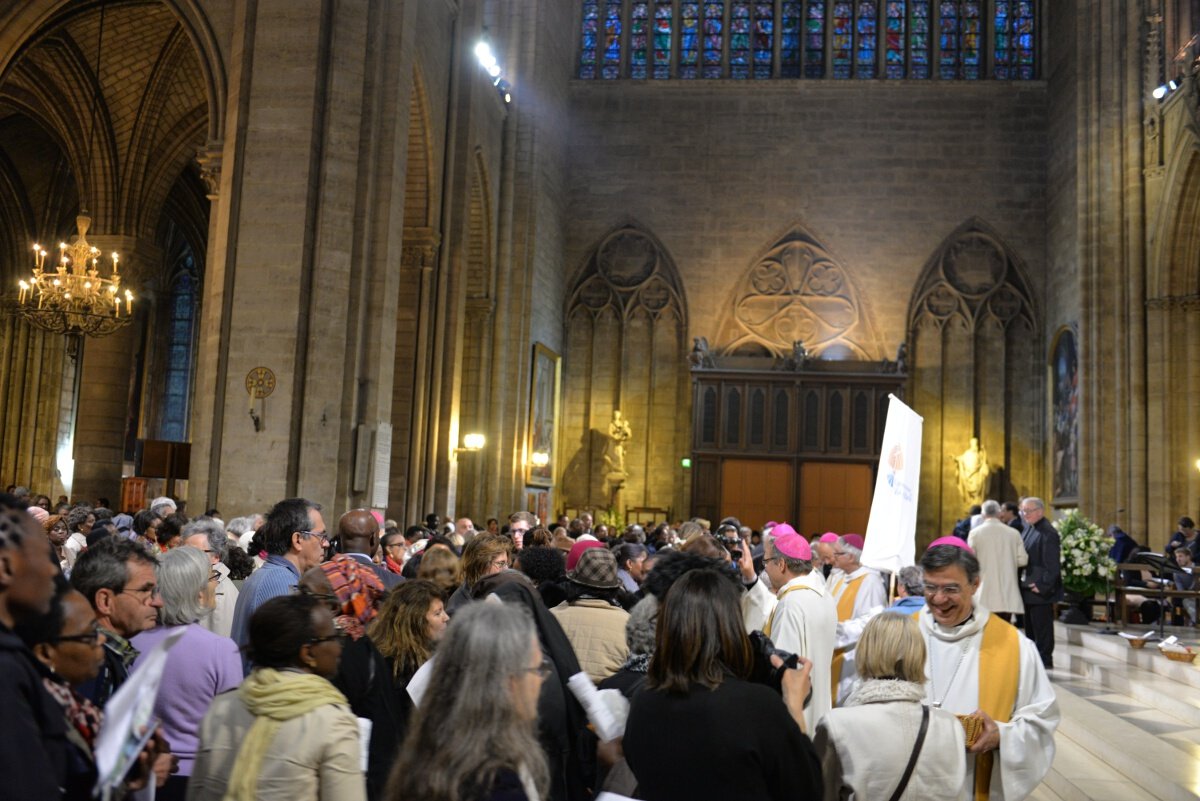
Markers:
(542, 433)
(1064, 418)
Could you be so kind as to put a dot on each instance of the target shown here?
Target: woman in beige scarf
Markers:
(286, 734)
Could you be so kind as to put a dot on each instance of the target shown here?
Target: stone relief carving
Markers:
(972, 278)
(627, 275)
(971, 472)
(797, 293)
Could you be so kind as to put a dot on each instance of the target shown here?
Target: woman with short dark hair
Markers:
(697, 688)
(286, 734)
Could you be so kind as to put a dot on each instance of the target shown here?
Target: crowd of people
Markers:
(361, 659)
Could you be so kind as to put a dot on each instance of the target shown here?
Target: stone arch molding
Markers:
(797, 290)
(1175, 266)
(629, 273)
(973, 279)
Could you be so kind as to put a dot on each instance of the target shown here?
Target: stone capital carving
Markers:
(419, 250)
(209, 158)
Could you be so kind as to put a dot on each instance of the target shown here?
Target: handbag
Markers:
(916, 752)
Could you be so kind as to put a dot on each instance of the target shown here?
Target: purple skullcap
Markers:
(828, 536)
(791, 544)
(770, 524)
(853, 540)
(957, 542)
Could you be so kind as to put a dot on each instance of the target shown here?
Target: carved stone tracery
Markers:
(797, 291)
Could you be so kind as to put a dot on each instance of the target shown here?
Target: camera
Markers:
(729, 538)
(764, 672)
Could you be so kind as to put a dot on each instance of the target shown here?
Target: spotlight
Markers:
(1160, 92)
(1172, 85)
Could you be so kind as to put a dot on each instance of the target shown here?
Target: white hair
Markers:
(850, 549)
(990, 508)
(161, 504)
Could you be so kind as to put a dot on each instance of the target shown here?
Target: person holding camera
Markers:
(804, 621)
(698, 684)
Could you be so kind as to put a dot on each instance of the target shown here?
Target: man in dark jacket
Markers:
(358, 538)
(1041, 585)
(33, 739)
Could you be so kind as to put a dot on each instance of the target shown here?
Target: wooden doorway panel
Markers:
(756, 490)
(835, 497)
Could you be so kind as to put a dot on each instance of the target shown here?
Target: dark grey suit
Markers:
(1044, 571)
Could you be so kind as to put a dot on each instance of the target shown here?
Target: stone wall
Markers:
(877, 174)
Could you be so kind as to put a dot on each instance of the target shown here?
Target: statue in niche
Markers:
(700, 357)
(798, 358)
(615, 457)
(972, 471)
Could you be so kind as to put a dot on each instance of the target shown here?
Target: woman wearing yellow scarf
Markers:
(286, 734)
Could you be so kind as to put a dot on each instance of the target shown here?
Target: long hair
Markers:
(468, 729)
(700, 636)
(400, 631)
(442, 567)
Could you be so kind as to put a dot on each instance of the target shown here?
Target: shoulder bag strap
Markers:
(916, 752)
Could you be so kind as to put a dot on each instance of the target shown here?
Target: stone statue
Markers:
(972, 471)
(902, 358)
(700, 357)
(618, 434)
(798, 358)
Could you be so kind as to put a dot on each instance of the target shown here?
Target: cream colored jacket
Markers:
(1001, 552)
(314, 757)
(858, 764)
(596, 630)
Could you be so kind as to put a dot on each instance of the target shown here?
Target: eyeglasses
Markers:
(543, 670)
(321, 534)
(771, 559)
(144, 594)
(214, 577)
(338, 634)
(500, 563)
(91, 638)
(949, 590)
(839, 553)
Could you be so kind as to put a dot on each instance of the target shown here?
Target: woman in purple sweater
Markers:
(199, 666)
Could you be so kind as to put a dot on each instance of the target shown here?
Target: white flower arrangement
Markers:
(1086, 565)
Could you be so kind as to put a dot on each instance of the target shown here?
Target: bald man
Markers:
(358, 538)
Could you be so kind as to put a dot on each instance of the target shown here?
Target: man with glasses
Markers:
(804, 620)
(208, 535)
(1041, 584)
(120, 580)
(977, 665)
(295, 540)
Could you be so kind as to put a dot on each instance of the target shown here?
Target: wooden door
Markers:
(835, 497)
(756, 491)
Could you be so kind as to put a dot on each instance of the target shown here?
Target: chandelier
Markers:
(72, 297)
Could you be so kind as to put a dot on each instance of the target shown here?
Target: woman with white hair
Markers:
(474, 737)
(200, 665)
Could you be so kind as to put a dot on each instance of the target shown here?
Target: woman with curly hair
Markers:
(410, 624)
(443, 567)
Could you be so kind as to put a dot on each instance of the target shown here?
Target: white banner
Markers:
(891, 538)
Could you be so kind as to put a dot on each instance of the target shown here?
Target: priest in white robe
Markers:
(804, 618)
(977, 664)
(859, 594)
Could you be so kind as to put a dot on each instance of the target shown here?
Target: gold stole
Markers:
(788, 591)
(999, 672)
(845, 611)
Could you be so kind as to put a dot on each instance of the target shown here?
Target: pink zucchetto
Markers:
(853, 540)
(787, 542)
(828, 537)
(957, 542)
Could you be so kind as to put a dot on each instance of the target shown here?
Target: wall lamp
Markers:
(539, 458)
(471, 443)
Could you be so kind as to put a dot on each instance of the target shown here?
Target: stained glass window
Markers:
(1013, 25)
(612, 40)
(814, 40)
(587, 50)
(714, 24)
(894, 39)
(866, 37)
(739, 40)
(789, 40)
(764, 39)
(842, 43)
(960, 39)
(918, 39)
(177, 375)
(689, 46)
(840, 39)
(639, 29)
(662, 39)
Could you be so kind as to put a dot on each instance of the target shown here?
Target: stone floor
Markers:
(1131, 721)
